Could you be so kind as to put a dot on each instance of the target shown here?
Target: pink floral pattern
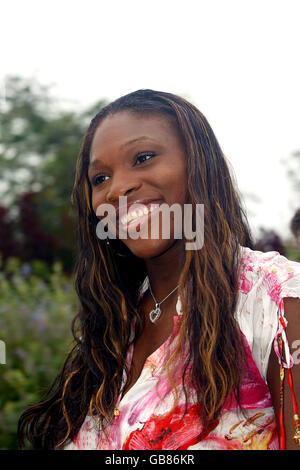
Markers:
(148, 416)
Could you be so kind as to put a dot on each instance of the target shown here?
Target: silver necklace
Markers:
(156, 312)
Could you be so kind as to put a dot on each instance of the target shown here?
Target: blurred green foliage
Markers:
(292, 252)
(39, 145)
(36, 311)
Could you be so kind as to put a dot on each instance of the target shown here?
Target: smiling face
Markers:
(142, 158)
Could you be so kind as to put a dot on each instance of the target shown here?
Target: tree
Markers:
(8, 244)
(39, 147)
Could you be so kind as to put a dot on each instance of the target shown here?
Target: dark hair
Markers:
(107, 287)
(295, 223)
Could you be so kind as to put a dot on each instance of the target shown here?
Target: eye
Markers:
(141, 157)
(144, 155)
(97, 180)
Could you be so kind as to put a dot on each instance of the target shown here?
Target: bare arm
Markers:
(292, 314)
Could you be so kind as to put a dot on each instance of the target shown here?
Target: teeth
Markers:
(135, 214)
(124, 219)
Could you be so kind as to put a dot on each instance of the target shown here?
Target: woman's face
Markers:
(143, 159)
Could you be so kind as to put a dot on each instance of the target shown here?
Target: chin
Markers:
(147, 249)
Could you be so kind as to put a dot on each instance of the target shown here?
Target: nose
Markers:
(122, 188)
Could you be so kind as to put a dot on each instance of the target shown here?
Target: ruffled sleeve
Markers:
(289, 283)
(265, 280)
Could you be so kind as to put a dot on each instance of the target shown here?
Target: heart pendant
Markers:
(155, 314)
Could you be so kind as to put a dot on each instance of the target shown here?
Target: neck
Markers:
(164, 270)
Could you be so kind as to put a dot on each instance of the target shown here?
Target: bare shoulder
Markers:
(292, 309)
(292, 314)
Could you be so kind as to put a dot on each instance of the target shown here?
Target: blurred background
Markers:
(60, 63)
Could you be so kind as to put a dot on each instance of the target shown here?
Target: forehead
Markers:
(116, 130)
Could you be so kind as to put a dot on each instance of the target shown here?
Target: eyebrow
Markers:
(132, 141)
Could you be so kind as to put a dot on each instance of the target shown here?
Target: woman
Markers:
(173, 345)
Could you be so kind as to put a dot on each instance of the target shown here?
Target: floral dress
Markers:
(147, 417)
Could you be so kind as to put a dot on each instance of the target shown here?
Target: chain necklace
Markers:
(156, 312)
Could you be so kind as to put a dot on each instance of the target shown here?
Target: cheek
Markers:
(177, 184)
(173, 169)
(96, 201)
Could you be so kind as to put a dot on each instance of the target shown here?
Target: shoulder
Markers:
(270, 273)
(289, 331)
(291, 308)
(266, 281)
